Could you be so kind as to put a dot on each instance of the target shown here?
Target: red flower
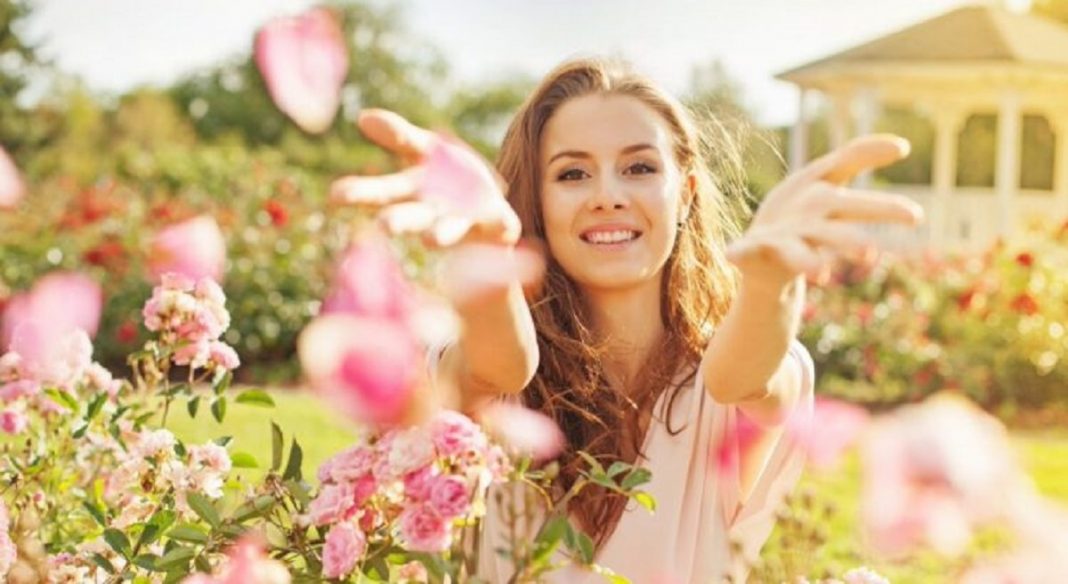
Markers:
(964, 301)
(127, 332)
(1024, 304)
(1025, 259)
(108, 254)
(278, 212)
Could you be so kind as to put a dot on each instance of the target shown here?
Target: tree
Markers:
(17, 60)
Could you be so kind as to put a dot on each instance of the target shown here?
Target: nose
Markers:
(610, 194)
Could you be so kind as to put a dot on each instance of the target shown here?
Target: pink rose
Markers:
(334, 503)
(412, 573)
(223, 355)
(13, 421)
(423, 530)
(454, 434)
(14, 390)
(418, 482)
(348, 465)
(345, 545)
(450, 496)
(524, 430)
(303, 60)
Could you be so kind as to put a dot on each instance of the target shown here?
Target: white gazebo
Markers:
(980, 59)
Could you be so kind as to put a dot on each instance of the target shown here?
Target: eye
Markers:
(572, 174)
(640, 168)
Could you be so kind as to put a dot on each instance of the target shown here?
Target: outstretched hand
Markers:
(398, 197)
(810, 220)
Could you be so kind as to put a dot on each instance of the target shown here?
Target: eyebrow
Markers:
(580, 154)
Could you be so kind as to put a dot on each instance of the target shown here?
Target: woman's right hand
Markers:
(397, 196)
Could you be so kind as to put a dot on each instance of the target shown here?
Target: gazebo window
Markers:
(1037, 154)
(977, 151)
(918, 129)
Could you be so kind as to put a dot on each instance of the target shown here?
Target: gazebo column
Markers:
(866, 110)
(1060, 167)
(947, 124)
(799, 134)
(1007, 177)
(839, 119)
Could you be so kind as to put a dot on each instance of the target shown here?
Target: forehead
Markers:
(603, 124)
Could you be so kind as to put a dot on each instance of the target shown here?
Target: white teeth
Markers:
(611, 236)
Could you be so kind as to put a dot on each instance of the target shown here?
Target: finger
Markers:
(789, 251)
(501, 226)
(377, 190)
(868, 206)
(862, 154)
(408, 218)
(838, 237)
(394, 133)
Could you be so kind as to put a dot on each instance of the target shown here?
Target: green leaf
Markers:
(299, 491)
(243, 460)
(149, 534)
(118, 541)
(218, 408)
(548, 539)
(258, 506)
(638, 476)
(179, 448)
(147, 561)
(277, 444)
(585, 548)
(203, 507)
(95, 406)
(645, 500)
(617, 467)
(80, 431)
(296, 459)
(188, 532)
(192, 406)
(256, 397)
(203, 564)
(222, 380)
(96, 512)
(223, 441)
(62, 398)
(103, 563)
(179, 556)
(596, 466)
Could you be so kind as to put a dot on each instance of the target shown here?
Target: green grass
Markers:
(831, 550)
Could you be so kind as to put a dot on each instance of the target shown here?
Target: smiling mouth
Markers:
(611, 237)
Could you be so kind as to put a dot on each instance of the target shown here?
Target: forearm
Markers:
(744, 361)
(497, 352)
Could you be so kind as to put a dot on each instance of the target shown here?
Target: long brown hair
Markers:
(697, 284)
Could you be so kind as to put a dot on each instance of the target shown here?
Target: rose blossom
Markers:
(450, 496)
(345, 545)
(424, 530)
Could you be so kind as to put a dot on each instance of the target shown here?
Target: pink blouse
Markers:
(699, 512)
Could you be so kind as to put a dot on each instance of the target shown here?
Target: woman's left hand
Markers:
(810, 220)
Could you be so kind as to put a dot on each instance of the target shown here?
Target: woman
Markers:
(645, 343)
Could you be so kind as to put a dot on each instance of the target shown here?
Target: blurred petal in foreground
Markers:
(303, 60)
(366, 367)
(11, 186)
(194, 249)
(524, 430)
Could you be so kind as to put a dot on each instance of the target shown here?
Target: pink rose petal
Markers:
(524, 430)
(831, 429)
(12, 189)
(194, 249)
(457, 179)
(370, 282)
(303, 60)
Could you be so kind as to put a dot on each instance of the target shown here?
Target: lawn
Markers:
(828, 545)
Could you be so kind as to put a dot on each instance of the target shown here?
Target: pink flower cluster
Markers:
(71, 369)
(151, 462)
(416, 481)
(246, 564)
(190, 317)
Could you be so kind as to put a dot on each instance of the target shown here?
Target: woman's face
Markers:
(611, 191)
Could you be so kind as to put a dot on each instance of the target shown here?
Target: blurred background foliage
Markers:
(106, 172)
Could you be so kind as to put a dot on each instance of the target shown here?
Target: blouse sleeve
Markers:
(750, 520)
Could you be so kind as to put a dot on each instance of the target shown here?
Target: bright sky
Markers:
(117, 44)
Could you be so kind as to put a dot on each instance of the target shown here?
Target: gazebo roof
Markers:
(968, 35)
